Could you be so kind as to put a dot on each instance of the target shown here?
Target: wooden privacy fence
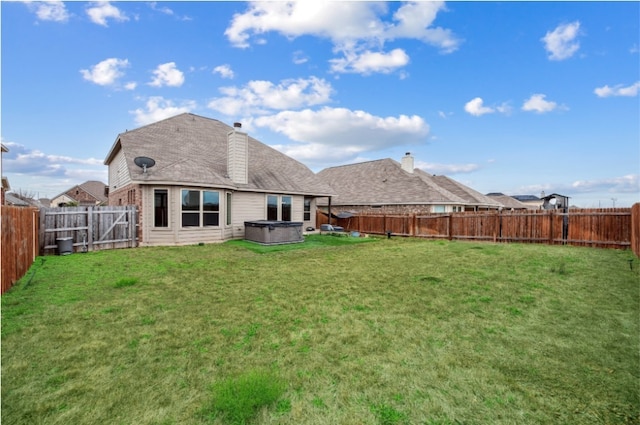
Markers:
(19, 243)
(607, 228)
(90, 228)
(635, 229)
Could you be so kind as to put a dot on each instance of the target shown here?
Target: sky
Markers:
(510, 97)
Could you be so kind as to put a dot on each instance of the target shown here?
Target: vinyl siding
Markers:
(245, 206)
(118, 172)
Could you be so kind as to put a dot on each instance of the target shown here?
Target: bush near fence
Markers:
(603, 228)
(20, 243)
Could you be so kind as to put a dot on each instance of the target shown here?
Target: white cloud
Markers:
(629, 183)
(358, 30)
(103, 10)
(225, 71)
(23, 161)
(107, 72)
(414, 20)
(159, 108)
(618, 90)
(330, 135)
(350, 132)
(162, 9)
(54, 11)
(561, 42)
(368, 62)
(299, 57)
(476, 107)
(537, 103)
(131, 85)
(446, 169)
(167, 75)
(262, 96)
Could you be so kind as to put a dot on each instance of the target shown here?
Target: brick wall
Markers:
(129, 195)
(81, 196)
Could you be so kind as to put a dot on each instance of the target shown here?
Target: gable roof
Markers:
(11, 199)
(384, 182)
(192, 150)
(471, 196)
(95, 189)
(509, 202)
(92, 187)
(526, 198)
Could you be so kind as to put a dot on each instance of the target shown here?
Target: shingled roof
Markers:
(384, 182)
(471, 196)
(509, 202)
(190, 149)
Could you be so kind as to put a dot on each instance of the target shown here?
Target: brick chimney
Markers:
(407, 163)
(238, 155)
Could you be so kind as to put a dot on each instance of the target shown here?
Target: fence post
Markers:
(550, 229)
(90, 213)
(450, 227)
(412, 228)
(42, 235)
(35, 233)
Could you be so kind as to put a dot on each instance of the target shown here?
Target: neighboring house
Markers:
(530, 200)
(509, 202)
(89, 193)
(12, 199)
(387, 186)
(202, 179)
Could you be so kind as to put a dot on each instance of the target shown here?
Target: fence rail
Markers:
(605, 228)
(19, 243)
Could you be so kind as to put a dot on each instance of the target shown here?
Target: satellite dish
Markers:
(144, 162)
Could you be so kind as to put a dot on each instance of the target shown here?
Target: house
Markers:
(531, 200)
(196, 179)
(89, 193)
(509, 202)
(14, 200)
(387, 186)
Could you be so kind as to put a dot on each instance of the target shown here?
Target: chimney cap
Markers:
(408, 153)
(237, 125)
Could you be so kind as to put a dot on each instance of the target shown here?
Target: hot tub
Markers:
(268, 232)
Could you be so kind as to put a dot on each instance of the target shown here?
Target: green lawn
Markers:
(330, 331)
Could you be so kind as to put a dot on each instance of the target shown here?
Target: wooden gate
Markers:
(90, 228)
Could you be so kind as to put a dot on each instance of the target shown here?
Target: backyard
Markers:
(334, 330)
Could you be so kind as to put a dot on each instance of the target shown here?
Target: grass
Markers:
(389, 331)
(238, 399)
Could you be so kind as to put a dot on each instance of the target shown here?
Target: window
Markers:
(228, 209)
(210, 208)
(272, 207)
(200, 207)
(439, 208)
(286, 208)
(307, 209)
(161, 208)
(279, 207)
